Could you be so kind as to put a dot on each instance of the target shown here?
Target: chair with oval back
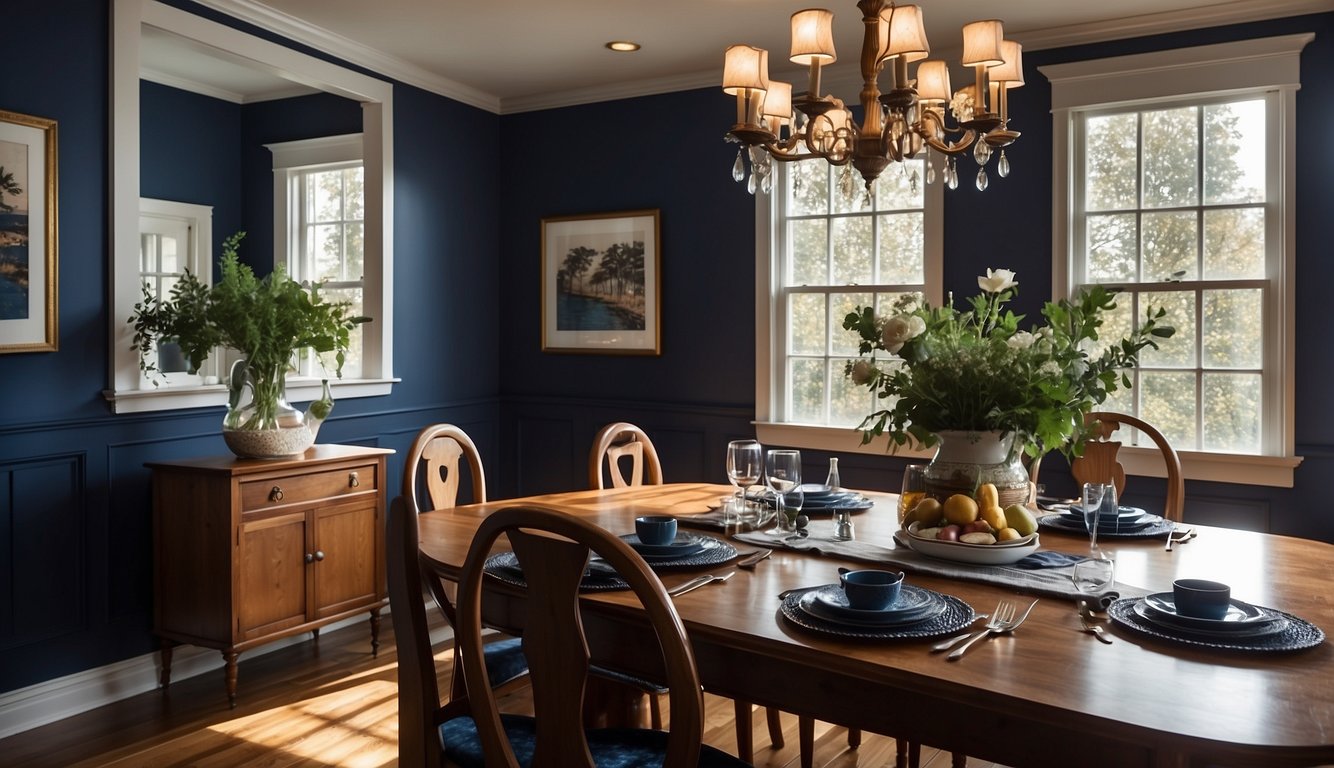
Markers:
(435, 462)
(469, 731)
(1099, 464)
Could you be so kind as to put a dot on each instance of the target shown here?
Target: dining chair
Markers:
(622, 439)
(1099, 464)
(435, 462)
(469, 731)
(615, 442)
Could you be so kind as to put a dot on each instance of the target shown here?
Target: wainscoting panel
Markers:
(42, 525)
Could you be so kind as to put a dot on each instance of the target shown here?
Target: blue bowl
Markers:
(656, 530)
(1201, 599)
(871, 589)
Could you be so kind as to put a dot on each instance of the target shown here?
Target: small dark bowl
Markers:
(871, 589)
(655, 530)
(1201, 599)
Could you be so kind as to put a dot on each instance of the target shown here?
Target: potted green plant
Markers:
(267, 320)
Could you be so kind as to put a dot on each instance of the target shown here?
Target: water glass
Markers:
(745, 467)
(1096, 574)
(783, 472)
(913, 490)
(1099, 503)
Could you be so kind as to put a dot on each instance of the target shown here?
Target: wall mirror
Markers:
(168, 46)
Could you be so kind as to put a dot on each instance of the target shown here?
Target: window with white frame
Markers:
(832, 247)
(319, 228)
(173, 238)
(1181, 199)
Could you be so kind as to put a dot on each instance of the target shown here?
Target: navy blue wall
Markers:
(75, 540)
(637, 154)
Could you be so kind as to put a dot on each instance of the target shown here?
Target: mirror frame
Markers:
(126, 393)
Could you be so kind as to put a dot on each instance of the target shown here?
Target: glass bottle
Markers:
(832, 481)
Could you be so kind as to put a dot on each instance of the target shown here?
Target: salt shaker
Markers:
(832, 481)
(842, 517)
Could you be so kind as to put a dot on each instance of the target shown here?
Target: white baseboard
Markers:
(52, 700)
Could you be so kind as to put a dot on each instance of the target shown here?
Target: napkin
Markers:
(1042, 573)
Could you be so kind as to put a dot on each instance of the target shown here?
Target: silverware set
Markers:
(753, 559)
(699, 581)
(1179, 536)
(1086, 619)
(1004, 619)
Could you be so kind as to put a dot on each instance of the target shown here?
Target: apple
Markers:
(977, 526)
(948, 533)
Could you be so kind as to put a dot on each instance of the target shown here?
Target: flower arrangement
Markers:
(976, 370)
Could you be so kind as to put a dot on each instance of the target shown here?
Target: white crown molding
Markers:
(611, 92)
(222, 94)
(1237, 12)
(351, 51)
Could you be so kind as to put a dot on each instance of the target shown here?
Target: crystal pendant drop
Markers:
(982, 152)
(1003, 165)
(981, 179)
(912, 181)
(951, 175)
(930, 173)
(846, 183)
(752, 184)
(739, 168)
(767, 183)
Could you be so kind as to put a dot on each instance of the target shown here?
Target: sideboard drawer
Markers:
(296, 489)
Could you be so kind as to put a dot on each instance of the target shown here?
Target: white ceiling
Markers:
(516, 55)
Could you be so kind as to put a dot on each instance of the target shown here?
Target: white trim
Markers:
(62, 697)
(376, 97)
(222, 94)
(839, 439)
(1271, 62)
(1237, 469)
(323, 150)
(207, 396)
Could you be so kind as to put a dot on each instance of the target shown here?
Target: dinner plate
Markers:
(1113, 526)
(914, 604)
(1132, 513)
(954, 616)
(1296, 633)
(684, 545)
(1154, 527)
(1271, 625)
(975, 554)
(1238, 613)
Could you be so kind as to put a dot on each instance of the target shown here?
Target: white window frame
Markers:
(770, 321)
(1269, 65)
(292, 159)
(197, 220)
(376, 98)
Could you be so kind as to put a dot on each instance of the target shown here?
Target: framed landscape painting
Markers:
(600, 283)
(27, 233)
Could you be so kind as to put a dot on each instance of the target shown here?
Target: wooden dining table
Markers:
(1046, 695)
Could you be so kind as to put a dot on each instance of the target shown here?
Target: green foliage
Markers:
(948, 369)
(267, 319)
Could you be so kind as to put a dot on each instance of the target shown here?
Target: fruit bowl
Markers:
(1002, 553)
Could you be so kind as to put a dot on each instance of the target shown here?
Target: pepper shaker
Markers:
(842, 517)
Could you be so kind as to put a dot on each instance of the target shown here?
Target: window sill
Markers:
(1272, 471)
(167, 397)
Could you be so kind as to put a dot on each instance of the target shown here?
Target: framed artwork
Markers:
(600, 283)
(27, 233)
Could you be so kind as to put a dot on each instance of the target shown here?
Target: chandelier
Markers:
(914, 114)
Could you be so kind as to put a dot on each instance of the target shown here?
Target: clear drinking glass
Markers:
(783, 472)
(1099, 503)
(913, 490)
(745, 467)
(1096, 574)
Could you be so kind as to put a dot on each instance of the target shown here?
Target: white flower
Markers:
(899, 329)
(996, 280)
(1050, 369)
(861, 372)
(1021, 340)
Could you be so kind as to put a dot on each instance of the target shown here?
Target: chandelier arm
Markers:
(954, 147)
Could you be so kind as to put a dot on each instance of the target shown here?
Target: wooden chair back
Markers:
(1099, 464)
(557, 546)
(615, 442)
(435, 457)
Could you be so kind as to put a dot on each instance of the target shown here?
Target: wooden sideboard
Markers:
(248, 551)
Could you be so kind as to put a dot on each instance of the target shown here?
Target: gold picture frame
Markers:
(600, 283)
(28, 234)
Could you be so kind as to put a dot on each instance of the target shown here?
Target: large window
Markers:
(1181, 199)
(833, 246)
(319, 226)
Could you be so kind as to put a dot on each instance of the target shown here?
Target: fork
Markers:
(753, 559)
(1177, 536)
(698, 582)
(1003, 613)
(1008, 623)
(1086, 617)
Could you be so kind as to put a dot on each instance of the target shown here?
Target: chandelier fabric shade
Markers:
(919, 111)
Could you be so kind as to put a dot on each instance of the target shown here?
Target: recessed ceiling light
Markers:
(623, 45)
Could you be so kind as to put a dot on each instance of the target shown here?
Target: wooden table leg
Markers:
(745, 731)
(375, 633)
(229, 658)
(609, 704)
(164, 653)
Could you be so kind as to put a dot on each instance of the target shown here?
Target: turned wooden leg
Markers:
(164, 654)
(229, 657)
(806, 740)
(854, 737)
(315, 635)
(900, 753)
(375, 632)
(958, 760)
(745, 734)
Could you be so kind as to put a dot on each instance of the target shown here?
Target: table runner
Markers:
(1052, 581)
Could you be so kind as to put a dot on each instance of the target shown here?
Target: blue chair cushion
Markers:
(611, 747)
(505, 660)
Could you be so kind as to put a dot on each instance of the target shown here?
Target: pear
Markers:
(1020, 519)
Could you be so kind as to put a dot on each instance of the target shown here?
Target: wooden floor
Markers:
(329, 703)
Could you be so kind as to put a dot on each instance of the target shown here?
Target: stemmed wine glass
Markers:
(783, 472)
(1099, 570)
(745, 467)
